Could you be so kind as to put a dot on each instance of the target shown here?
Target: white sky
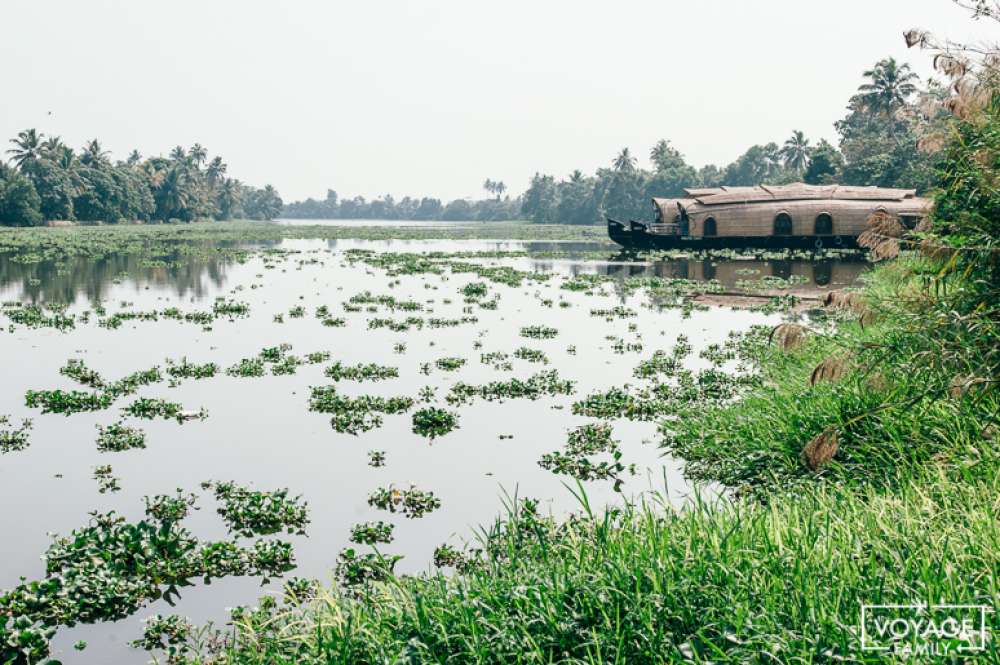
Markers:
(431, 97)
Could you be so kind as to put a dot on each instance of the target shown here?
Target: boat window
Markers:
(783, 224)
(824, 224)
(708, 229)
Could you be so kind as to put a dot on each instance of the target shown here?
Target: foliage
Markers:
(433, 422)
(53, 182)
(411, 502)
(371, 533)
(14, 439)
(252, 512)
(117, 437)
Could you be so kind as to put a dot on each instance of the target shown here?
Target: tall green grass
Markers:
(905, 512)
(730, 582)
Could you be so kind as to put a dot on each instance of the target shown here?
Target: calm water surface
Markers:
(260, 432)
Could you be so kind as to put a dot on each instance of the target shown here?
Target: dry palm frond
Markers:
(877, 382)
(830, 369)
(817, 453)
(788, 336)
(852, 300)
(887, 249)
(962, 385)
(868, 317)
(924, 225)
(934, 249)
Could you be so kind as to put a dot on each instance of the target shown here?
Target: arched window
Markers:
(709, 227)
(824, 224)
(782, 224)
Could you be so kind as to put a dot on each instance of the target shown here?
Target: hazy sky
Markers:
(432, 97)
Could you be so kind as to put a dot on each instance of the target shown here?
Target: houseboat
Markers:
(795, 215)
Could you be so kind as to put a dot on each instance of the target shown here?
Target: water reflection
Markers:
(189, 270)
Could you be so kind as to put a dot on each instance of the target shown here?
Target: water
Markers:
(261, 433)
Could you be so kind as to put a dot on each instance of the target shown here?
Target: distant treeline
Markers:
(878, 145)
(47, 180)
(495, 208)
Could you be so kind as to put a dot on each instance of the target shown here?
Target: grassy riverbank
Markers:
(903, 512)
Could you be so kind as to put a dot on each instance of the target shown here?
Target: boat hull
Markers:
(637, 236)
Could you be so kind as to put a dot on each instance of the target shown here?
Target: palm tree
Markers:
(489, 186)
(93, 153)
(576, 176)
(173, 192)
(133, 158)
(624, 162)
(65, 157)
(795, 152)
(216, 169)
(52, 146)
(198, 154)
(27, 147)
(178, 154)
(229, 197)
(499, 188)
(890, 87)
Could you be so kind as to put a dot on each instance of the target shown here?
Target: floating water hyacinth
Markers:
(411, 502)
(360, 372)
(539, 332)
(372, 533)
(106, 482)
(118, 437)
(253, 512)
(433, 422)
(13, 439)
(376, 458)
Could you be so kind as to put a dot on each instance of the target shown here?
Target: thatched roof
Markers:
(795, 191)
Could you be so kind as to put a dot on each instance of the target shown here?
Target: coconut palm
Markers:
(178, 154)
(133, 158)
(215, 171)
(499, 188)
(93, 154)
(52, 146)
(198, 154)
(172, 194)
(890, 86)
(229, 197)
(624, 162)
(795, 152)
(27, 146)
(489, 186)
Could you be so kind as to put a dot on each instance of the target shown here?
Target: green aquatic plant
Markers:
(130, 384)
(474, 290)
(187, 370)
(581, 444)
(376, 458)
(353, 415)
(499, 360)
(432, 422)
(118, 437)
(449, 364)
(531, 355)
(13, 439)
(360, 372)
(35, 316)
(616, 312)
(154, 407)
(412, 503)
(66, 402)
(249, 512)
(106, 482)
(355, 569)
(539, 332)
(79, 372)
(248, 368)
(166, 508)
(372, 533)
(299, 590)
(169, 634)
(534, 387)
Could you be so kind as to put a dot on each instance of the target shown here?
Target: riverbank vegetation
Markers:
(48, 181)
(879, 136)
(861, 464)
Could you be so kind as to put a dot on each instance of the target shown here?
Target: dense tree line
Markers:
(47, 180)
(494, 208)
(879, 139)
